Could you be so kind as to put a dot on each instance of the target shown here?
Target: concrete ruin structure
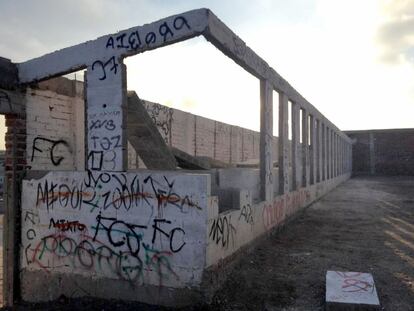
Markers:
(106, 198)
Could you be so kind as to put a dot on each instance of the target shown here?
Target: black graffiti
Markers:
(114, 227)
(123, 194)
(95, 160)
(54, 143)
(111, 63)
(31, 217)
(222, 231)
(107, 143)
(169, 235)
(30, 234)
(165, 194)
(133, 40)
(120, 233)
(107, 124)
(162, 118)
(246, 214)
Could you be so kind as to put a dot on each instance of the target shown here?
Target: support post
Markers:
(106, 104)
(314, 144)
(305, 148)
(283, 144)
(266, 140)
(296, 164)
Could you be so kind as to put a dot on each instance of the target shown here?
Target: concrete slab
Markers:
(350, 291)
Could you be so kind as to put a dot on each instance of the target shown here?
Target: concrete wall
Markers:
(234, 229)
(141, 229)
(383, 152)
(201, 136)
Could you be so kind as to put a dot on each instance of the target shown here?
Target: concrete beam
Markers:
(155, 35)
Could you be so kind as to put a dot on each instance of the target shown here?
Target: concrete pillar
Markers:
(342, 156)
(266, 140)
(296, 163)
(323, 151)
(335, 153)
(331, 153)
(305, 148)
(318, 151)
(314, 144)
(328, 154)
(106, 116)
(283, 144)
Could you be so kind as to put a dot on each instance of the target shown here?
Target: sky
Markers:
(353, 60)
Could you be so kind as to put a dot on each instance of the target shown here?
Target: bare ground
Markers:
(365, 225)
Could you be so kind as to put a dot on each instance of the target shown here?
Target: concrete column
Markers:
(329, 132)
(335, 151)
(266, 140)
(328, 157)
(323, 151)
(296, 163)
(283, 144)
(318, 150)
(331, 153)
(342, 156)
(305, 149)
(106, 116)
(314, 144)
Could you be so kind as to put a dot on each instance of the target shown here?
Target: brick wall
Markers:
(15, 139)
(55, 126)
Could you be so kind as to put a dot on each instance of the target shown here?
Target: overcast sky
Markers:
(353, 60)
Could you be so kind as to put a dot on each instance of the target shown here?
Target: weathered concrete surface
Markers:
(364, 225)
(350, 291)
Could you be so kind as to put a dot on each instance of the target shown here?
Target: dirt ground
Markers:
(364, 225)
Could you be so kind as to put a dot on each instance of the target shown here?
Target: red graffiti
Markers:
(274, 214)
(352, 284)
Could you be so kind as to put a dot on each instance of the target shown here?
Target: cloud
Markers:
(396, 33)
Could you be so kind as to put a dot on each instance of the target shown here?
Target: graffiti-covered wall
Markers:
(138, 228)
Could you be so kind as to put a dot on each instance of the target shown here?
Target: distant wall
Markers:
(201, 136)
(383, 152)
